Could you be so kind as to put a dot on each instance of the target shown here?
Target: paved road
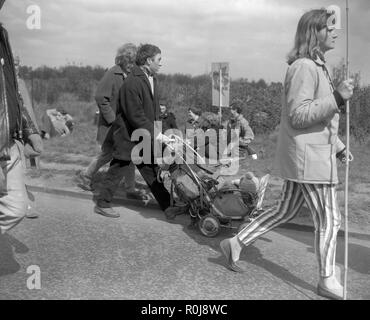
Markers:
(83, 255)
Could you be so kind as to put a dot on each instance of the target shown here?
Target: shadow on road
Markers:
(358, 255)
(251, 255)
(8, 264)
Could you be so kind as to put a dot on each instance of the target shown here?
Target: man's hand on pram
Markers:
(165, 139)
(226, 162)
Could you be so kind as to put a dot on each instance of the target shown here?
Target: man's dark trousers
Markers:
(149, 173)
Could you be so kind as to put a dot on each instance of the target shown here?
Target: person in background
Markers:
(193, 116)
(246, 135)
(308, 145)
(16, 129)
(192, 125)
(168, 118)
(60, 122)
(106, 98)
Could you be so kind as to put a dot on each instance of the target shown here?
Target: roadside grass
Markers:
(82, 141)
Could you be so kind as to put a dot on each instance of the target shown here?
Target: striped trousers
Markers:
(321, 199)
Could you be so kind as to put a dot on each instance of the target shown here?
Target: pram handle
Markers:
(178, 139)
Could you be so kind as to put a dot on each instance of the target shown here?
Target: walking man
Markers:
(138, 109)
(106, 98)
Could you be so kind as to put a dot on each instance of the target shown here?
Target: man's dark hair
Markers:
(144, 52)
(237, 106)
(196, 111)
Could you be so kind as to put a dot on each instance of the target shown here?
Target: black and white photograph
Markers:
(184, 155)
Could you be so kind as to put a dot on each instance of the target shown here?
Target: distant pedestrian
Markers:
(246, 135)
(193, 116)
(307, 147)
(168, 118)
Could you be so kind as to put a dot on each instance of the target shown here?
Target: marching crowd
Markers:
(128, 100)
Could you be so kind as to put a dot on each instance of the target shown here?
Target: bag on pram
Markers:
(184, 185)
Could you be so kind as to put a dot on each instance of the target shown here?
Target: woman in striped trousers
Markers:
(308, 147)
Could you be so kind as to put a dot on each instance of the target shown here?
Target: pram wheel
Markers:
(209, 225)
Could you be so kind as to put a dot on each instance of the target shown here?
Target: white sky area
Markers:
(254, 36)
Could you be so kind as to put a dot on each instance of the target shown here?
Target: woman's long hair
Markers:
(306, 44)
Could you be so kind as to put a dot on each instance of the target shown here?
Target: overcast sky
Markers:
(253, 35)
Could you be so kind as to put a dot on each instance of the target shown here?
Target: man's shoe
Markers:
(226, 250)
(32, 215)
(172, 212)
(106, 210)
(136, 195)
(84, 182)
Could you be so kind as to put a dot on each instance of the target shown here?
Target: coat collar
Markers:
(138, 72)
(319, 61)
(319, 58)
(118, 70)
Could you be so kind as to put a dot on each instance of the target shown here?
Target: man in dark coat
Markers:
(138, 109)
(106, 97)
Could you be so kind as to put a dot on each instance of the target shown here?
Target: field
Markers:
(63, 156)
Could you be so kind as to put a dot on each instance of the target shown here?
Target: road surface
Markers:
(83, 255)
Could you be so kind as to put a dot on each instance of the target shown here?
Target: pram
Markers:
(210, 201)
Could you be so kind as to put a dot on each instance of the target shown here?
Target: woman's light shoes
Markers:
(227, 251)
(331, 287)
